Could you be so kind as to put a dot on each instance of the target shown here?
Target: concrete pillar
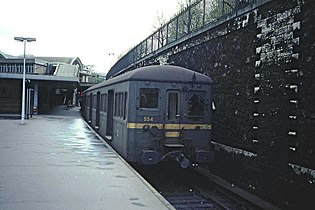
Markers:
(35, 106)
(74, 97)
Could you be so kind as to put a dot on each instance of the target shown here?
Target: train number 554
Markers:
(148, 119)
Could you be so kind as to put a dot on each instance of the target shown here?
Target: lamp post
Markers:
(24, 40)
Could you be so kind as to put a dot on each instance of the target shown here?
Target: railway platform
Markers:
(56, 161)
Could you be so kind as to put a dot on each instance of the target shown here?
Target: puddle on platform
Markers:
(120, 176)
(138, 204)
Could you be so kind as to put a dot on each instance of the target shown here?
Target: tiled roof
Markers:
(6, 56)
(66, 60)
(67, 70)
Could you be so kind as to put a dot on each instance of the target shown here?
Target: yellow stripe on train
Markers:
(170, 126)
(171, 134)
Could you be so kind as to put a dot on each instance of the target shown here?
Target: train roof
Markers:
(158, 73)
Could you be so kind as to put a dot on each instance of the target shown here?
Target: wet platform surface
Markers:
(56, 162)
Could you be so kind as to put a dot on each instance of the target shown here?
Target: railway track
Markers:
(196, 189)
(241, 197)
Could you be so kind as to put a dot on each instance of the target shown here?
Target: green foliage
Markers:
(90, 68)
(192, 16)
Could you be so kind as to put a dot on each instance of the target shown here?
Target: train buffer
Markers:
(57, 162)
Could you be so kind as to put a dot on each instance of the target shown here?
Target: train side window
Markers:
(149, 97)
(102, 102)
(87, 100)
(91, 100)
(103, 105)
(125, 105)
(196, 107)
(116, 104)
(120, 104)
(94, 101)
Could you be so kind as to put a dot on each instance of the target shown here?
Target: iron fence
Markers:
(190, 19)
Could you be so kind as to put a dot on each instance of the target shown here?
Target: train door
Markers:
(110, 115)
(91, 107)
(173, 114)
(97, 119)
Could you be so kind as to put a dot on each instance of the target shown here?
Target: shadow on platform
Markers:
(61, 110)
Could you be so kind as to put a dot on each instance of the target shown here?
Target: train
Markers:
(154, 113)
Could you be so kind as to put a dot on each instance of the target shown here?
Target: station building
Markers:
(50, 81)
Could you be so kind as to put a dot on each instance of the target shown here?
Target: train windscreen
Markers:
(149, 97)
(197, 106)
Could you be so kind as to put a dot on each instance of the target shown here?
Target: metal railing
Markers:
(16, 68)
(192, 18)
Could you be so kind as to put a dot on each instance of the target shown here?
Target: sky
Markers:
(96, 31)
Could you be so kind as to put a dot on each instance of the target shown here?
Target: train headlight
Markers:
(146, 128)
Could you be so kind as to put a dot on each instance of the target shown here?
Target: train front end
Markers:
(173, 118)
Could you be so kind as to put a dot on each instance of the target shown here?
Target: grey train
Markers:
(154, 113)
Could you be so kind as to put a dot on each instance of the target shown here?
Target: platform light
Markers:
(24, 40)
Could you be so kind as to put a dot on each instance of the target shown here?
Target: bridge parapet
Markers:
(194, 19)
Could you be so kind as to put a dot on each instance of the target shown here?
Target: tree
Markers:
(161, 34)
(191, 18)
(193, 15)
(90, 68)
